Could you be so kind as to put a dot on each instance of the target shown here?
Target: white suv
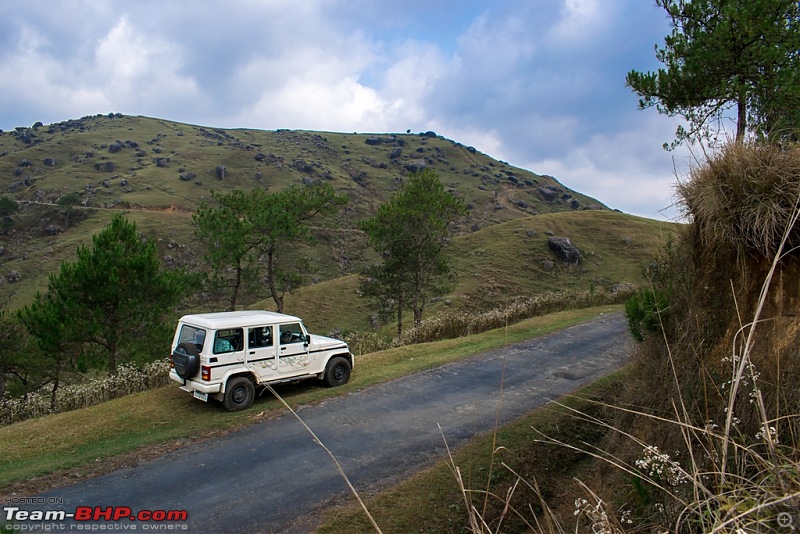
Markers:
(226, 355)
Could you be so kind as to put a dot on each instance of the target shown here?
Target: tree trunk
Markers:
(112, 357)
(55, 387)
(741, 119)
(418, 304)
(273, 290)
(236, 285)
(399, 316)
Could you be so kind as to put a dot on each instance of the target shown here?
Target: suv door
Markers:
(292, 349)
(261, 352)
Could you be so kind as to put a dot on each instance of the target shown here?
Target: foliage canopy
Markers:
(410, 233)
(113, 297)
(247, 229)
(723, 54)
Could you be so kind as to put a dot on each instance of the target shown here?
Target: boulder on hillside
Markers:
(303, 166)
(52, 229)
(416, 165)
(548, 195)
(564, 250)
(549, 192)
(220, 172)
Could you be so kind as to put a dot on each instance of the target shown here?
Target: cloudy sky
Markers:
(537, 83)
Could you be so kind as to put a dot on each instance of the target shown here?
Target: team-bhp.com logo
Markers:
(90, 518)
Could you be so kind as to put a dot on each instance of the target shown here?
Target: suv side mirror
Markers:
(308, 339)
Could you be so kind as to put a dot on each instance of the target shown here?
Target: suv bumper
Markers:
(191, 385)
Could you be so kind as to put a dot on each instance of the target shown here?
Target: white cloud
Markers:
(581, 20)
(534, 82)
(626, 170)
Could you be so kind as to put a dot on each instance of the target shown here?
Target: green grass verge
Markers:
(78, 440)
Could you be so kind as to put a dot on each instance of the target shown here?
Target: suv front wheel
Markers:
(337, 372)
(239, 393)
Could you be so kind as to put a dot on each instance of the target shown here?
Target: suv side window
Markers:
(229, 340)
(291, 333)
(259, 337)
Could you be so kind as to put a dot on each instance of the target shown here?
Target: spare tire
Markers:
(186, 360)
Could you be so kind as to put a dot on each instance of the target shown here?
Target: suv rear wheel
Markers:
(239, 394)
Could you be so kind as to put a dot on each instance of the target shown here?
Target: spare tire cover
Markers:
(186, 360)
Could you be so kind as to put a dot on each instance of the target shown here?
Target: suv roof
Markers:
(220, 320)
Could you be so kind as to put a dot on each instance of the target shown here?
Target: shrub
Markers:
(644, 310)
(127, 380)
(450, 325)
(8, 206)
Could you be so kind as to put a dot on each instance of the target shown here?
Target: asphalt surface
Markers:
(273, 477)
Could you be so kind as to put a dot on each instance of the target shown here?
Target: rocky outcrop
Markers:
(416, 165)
(564, 250)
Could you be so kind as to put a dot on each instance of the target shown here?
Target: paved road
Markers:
(271, 477)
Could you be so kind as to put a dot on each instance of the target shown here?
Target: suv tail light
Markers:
(205, 372)
(171, 363)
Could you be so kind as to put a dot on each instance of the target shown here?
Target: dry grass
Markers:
(453, 324)
(708, 433)
(744, 195)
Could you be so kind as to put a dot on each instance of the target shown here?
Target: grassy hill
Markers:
(509, 260)
(158, 172)
(138, 161)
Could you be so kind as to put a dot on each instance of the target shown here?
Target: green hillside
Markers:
(509, 260)
(158, 172)
(139, 161)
